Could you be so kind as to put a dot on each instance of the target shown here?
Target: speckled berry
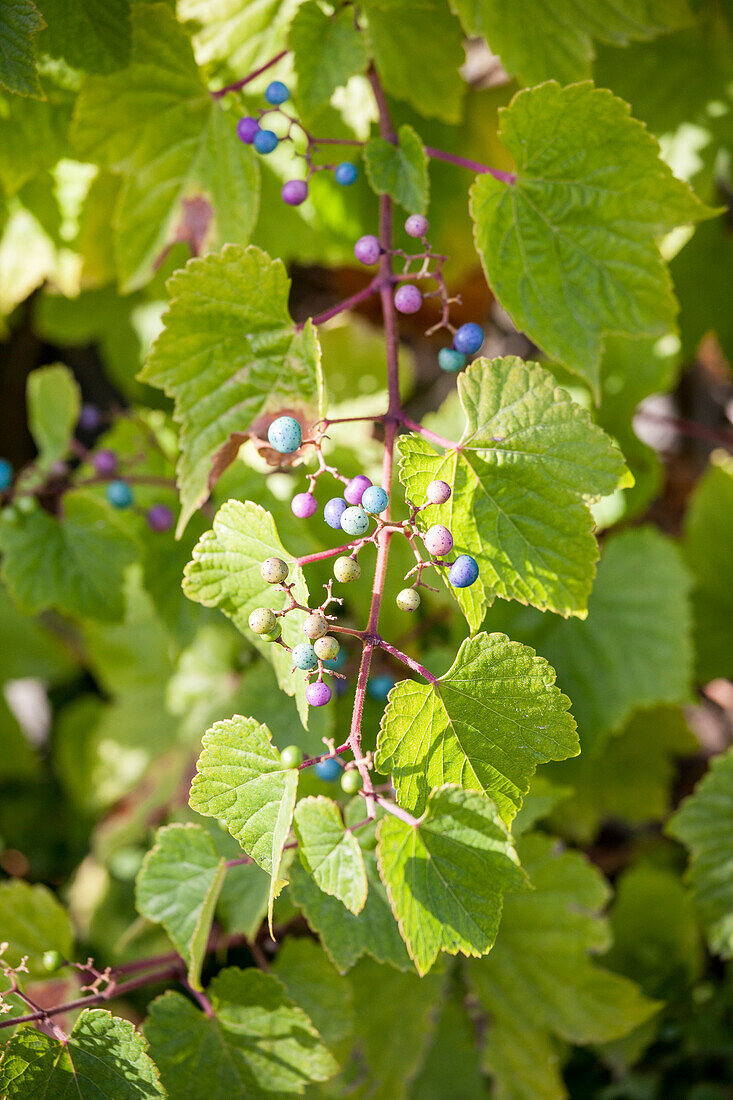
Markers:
(318, 694)
(408, 599)
(451, 360)
(333, 512)
(304, 656)
(463, 572)
(438, 492)
(247, 129)
(285, 435)
(262, 620)
(375, 499)
(265, 141)
(329, 770)
(346, 173)
(119, 494)
(276, 93)
(379, 687)
(105, 462)
(407, 299)
(326, 648)
(294, 192)
(304, 505)
(351, 781)
(315, 625)
(438, 540)
(159, 518)
(368, 249)
(346, 570)
(354, 491)
(469, 338)
(291, 756)
(416, 225)
(274, 570)
(355, 521)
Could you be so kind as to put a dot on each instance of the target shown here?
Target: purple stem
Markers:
(472, 165)
(239, 84)
(414, 665)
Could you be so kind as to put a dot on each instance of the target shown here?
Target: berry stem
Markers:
(472, 165)
(396, 811)
(409, 661)
(239, 84)
(439, 440)
(348, 303)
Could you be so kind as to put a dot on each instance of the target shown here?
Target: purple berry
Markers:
(416, 225)
(90, 418)
(463, 572)
(354, 491)
(407, 299)
(160, 518)
(294, 192)
(438, 492)
(304, 505)
(368, 249)
(105, 463)
(247, 127)
(318, 694)
(438, 540)
(333, 512)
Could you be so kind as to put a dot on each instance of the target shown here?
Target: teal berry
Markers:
(265, 141)
(379, 687)
(355, 521)
(304, 656)
(351, 781)
(119, 494)
(291, 756)
(276, 93)
(375, 499)
(346, 173)
(337, 662)
(285, 435)
(463, 572)
(451, 360)
(329, 770)
(6, 474)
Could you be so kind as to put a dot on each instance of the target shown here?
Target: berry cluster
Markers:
(264, 140)
(408, 298)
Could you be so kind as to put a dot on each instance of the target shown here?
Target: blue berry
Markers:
(469, 338)
(90, 418)
(304, 656)
(285, 435)
(329, 770)
(337, 662)
(119, 494)
(463, 572)
(276, 93)
(346, 173)
(451, 360)
(355, 521)
(265, 141)
(375, 499)
(6, 474)
(379, 687)
(333, 512)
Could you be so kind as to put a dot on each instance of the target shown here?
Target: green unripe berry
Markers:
(351, 781)
(26, 505)
(326, 648)
(291, 757)
(315, 626)
(274, 570)
(346, 569)
(408, 599)
(262, 621)
(273, 635)
(52, 960)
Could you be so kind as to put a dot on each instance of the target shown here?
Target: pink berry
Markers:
(438, 540)
(160, 518)
(318, 694)
(105, 463)
(416, 225)
(304, 505)
(407, 299)
(294, 192)
(354, 491)
(367, 249)
(438, 492)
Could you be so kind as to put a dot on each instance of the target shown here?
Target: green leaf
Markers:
(187, 178)
(34, 135)
(704, 824)
(541, 958)
(228, 354)
(399, 170)
(708, 545)
(346, 937)
(178, 886)
(446, 875)
(53, 399)
(238, 35)
(257, 1044)
(92, 35)
(74, 564)
(20, 21)
(527, 466)
(485, 725)
(327, 51)
(451, 1067)
(710, 249)
(537, 41)
(240, 781)
(570, 249)
(330, 853)
(33, 921)
(417, 50)
(36, 650)
(312, 983)
(104, 1057)
(225, 573)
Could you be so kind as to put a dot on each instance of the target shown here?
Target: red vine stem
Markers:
(239, 84)
(472, 165)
